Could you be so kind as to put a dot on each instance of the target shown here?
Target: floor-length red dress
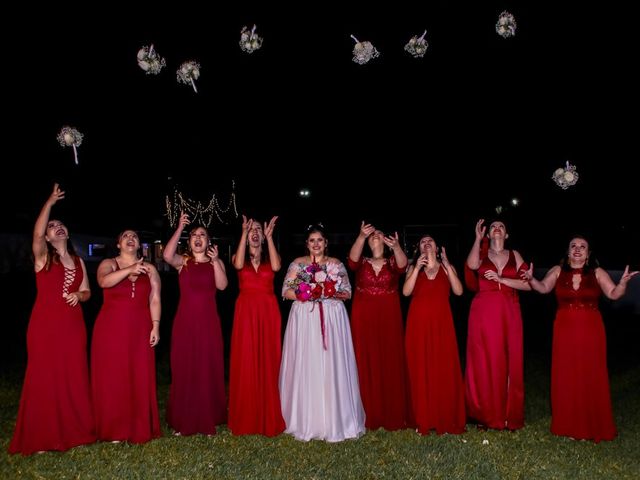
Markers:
(580, 398)
(197, 398)
(254, 399)
(378, 341)
(123, 369)
(494, 382)
(55, 407)
(433, 363)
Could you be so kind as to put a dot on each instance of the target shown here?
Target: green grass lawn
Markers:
(528, 453)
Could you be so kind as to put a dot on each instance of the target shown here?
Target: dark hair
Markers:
(316, 227)
(416, 249)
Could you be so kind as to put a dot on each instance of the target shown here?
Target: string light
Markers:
(201, 213)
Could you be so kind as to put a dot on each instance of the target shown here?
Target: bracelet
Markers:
(154, 321)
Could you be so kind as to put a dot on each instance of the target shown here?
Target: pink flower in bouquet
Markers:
(303, 292)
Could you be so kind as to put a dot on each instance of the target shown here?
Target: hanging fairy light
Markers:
(506, 26)
(188, 73)
(150, 61)
(70, 137)
(417, 46)
(250, 41)
(565, 177)
(363, 52)
(200, 212)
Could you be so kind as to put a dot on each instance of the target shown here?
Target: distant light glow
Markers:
(515, 202)
(304, 193)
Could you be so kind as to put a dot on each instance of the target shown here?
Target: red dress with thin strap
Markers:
(197, 398)
(435, 377)
(55, 407)
(378, 341)
(254, 399)
(123, 369)
(580, 398)
(494, 383)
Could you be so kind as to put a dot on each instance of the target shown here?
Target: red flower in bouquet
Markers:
(329, 288)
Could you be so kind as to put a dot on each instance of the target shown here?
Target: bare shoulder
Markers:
(555, 270)
(334, 260)
(108, 263)
(299, 260)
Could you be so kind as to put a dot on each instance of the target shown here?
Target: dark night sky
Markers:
(514, 109)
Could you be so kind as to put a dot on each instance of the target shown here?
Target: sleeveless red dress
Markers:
(378, 342)
(254, 399)
(435, 377)
(197, 398)
(123, 370)
(580, 398)
(55, 407)
(494, 382)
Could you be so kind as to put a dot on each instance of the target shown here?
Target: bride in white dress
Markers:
(318, 376)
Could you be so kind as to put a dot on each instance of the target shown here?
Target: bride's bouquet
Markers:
(315, 282)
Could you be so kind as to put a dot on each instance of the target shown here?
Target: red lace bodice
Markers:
(384, 283)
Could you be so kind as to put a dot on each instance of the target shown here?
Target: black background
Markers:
(477, 121)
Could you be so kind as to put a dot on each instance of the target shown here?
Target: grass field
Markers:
(528, 454)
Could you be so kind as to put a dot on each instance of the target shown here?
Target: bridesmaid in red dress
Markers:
(494, 382)
(377, 330)
(435, 378)
(55, 407)
(197, 398)
(580, 399)
(254, 399)
(123, 369)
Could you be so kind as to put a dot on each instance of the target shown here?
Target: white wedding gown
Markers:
(319, 388)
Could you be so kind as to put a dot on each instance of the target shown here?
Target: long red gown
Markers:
(197, 398)
(378, 341)
(494, 382)
(123, 369)
(435, 377)
(254, 399)
(580, 399)
(55, 407)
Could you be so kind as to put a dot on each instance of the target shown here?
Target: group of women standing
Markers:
(334, 377)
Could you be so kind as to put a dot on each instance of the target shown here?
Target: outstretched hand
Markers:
(184, 220)
(269, 227)
(56, 195)
(366, 229)
(246, 224)
(444, 259)
(480, 230)
(392, 241)
(627, 275)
